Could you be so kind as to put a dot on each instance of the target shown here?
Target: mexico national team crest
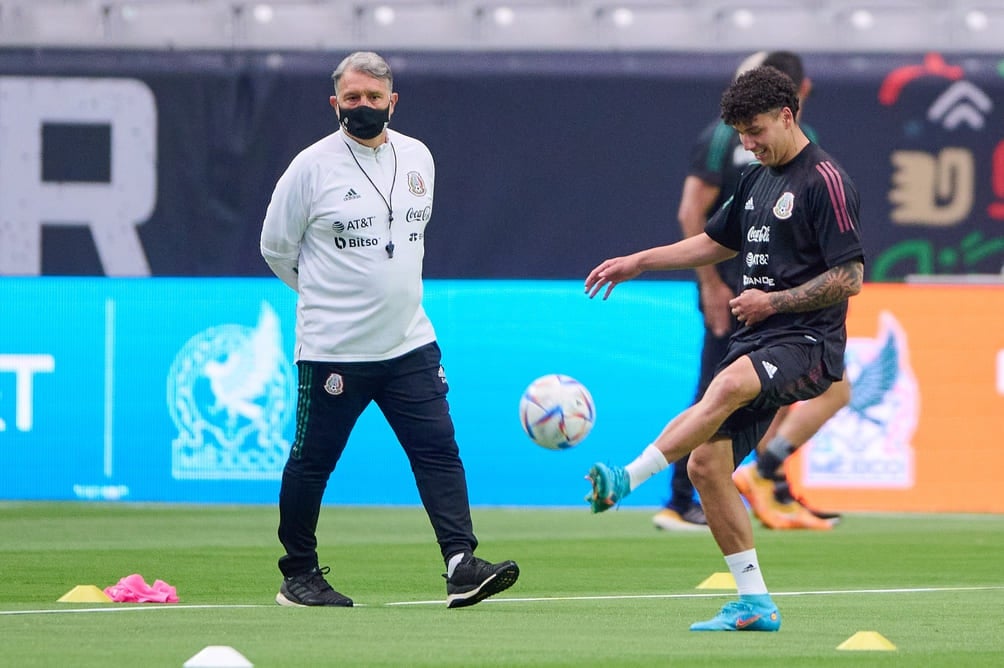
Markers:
(784, 205)
(231, 393)
(416, 184)
(334, 385)
(869, 442)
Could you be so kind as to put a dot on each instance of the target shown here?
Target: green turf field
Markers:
(604, 590)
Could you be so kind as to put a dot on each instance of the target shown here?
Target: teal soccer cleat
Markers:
(610, 485)
(749, 613)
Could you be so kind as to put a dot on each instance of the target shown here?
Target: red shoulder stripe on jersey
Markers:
(838, 199)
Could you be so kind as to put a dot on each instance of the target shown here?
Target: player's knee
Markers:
(727, 393)
(704, 466)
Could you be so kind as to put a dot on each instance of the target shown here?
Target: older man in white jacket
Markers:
(345, 228)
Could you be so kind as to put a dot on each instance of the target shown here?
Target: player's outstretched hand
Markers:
(611, 272)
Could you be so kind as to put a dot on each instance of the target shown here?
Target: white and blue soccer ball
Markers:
(557, 412)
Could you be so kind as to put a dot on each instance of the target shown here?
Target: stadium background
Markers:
(135, 165)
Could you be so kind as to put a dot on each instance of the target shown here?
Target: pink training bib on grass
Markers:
(134, 589)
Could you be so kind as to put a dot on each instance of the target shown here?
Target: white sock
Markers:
(452, 563)
(647, 464)
(746, 570)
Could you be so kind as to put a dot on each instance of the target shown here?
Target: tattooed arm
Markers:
(833, 286)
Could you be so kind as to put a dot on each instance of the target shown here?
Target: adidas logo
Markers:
(749, 204)
(771, 369)
(351, 194)
(749, 568)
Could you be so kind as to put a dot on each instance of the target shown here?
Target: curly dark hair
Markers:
(758, 91)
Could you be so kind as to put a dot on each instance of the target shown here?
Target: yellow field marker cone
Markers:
(867, 640)
(85, 594)
(719, 581)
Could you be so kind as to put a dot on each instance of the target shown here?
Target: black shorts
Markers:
(790, 370)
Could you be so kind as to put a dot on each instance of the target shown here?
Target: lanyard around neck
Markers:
(388, 201)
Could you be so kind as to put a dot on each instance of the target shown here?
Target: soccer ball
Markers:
(557, 412)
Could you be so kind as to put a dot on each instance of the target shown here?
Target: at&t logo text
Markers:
(358, 224)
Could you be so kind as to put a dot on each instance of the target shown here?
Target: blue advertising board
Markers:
(183, 389)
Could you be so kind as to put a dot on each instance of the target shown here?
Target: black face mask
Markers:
(364, 122)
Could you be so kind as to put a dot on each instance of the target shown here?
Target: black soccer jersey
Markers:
(790, 224)
(719, 158)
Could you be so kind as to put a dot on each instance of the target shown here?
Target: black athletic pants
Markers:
(411, 393)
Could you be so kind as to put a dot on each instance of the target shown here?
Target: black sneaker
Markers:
(310, 589)
(475, 579)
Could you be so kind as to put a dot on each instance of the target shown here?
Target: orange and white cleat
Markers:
(794, 515)
(759, 493)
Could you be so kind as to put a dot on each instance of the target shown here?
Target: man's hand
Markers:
(611, 272)
(752, 306)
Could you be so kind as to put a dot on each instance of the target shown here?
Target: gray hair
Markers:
(366, 62)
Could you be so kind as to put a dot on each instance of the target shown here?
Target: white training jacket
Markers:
(325, 235)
